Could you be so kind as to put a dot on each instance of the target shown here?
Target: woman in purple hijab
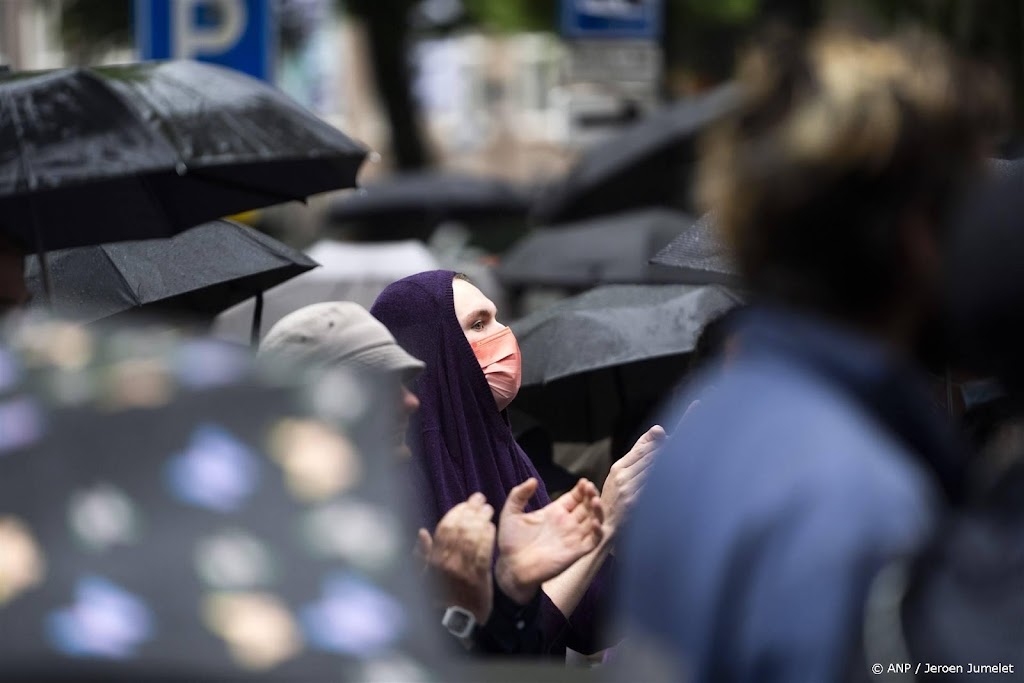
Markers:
(462, 442)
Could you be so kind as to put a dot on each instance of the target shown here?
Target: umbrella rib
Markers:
(120, 275)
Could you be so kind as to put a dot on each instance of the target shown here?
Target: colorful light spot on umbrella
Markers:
(22, 565)
(103, 516)
(363, 535)
(258, 628)
(216, 471)
(234, 559)
(21, 423)
(318, 462)
(353, 617)
(105, 621)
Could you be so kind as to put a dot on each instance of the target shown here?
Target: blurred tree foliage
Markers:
(88, 28)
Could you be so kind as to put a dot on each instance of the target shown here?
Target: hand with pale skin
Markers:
(460, 554)
(627, 476)
(536, 546)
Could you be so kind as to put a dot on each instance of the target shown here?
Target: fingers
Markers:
(519, 496)
(485, 546)
(578, 494)
(650, 441)
(589, 497)
(424, 543)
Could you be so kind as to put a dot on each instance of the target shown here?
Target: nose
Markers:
(410, 404)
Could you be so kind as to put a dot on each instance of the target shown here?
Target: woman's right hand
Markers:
(626, 478)
(460, 553)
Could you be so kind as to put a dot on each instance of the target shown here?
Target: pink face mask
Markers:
(498, 356)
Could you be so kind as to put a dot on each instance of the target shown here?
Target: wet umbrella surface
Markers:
(605, 250)
(591, 359)
(198, 273)
(648, 164)
(431, 196)
(699, 255)
(146, 150)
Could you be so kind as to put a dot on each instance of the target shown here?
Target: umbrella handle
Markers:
(257, 321)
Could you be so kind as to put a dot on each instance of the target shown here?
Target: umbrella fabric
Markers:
(169, 512)
(606, 250)
(199, 273)
(348, 272)
(648, 164)
(610, 355)
(434, 197)
(699, 255)
(131, 152)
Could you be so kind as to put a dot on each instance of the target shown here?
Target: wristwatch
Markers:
(459, 622)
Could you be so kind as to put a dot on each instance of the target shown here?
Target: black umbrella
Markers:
(611, 354)
(648, 164)
(132, 152)
(171, 514)
(699, 255)
(605, 250)
(198, 273)
(431, 196)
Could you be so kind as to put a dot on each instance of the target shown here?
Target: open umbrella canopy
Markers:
(648, 164)
(348, 272)
(699, 255)
(198, 273)
(609, 354)
(431, 196)
(132, 152)
(605, 250)
(173, 512)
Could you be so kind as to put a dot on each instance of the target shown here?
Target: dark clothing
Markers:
(816, 459)
(460, 442)
(513, 629)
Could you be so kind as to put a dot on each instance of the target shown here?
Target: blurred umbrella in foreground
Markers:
(605, 250)
(609, 354)
(133, 152)
(169, 512)
(196, 274)
(699, 255)
(648, 164)
(431, 197)
(347, 272)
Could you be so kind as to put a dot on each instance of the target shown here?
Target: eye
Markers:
(478, 325)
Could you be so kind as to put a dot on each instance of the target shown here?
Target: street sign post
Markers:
(614, 63)
(635, 19)
(234, 33)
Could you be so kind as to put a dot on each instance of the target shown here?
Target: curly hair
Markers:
(838, 137)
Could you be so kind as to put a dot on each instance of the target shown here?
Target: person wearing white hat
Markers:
(344, 333)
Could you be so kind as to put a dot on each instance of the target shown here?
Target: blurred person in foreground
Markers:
(494, 611)
(462, 441)
(817, 457)
(959, 605)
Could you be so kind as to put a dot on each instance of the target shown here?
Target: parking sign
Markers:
(234, 33)
(636, 19)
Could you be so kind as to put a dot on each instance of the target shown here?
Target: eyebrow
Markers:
(479, 313)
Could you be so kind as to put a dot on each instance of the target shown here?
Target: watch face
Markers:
(459, 622)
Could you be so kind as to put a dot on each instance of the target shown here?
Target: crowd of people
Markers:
(809, 460)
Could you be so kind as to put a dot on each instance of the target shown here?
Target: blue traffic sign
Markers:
(234, 33)
(637, 19)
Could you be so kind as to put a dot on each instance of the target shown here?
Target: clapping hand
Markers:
(537, 546)
(460, 553)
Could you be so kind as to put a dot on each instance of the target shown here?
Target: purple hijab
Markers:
(460, 442)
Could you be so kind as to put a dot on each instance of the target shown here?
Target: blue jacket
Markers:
(811, 460)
